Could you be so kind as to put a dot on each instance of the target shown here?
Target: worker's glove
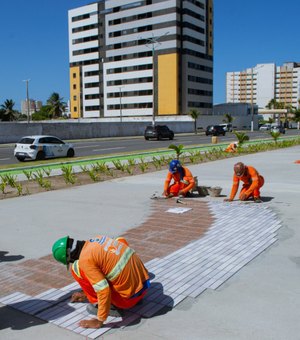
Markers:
(228, 200)
(181, 193)
(243, 197)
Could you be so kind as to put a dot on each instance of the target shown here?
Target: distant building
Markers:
(245, 116)
(34, 106)
(264, 82)
(139, 58)
(235, 109)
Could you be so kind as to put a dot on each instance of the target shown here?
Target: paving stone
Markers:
(194, 254)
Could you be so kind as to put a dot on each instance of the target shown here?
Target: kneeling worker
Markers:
(253, 181)
(232, 147)
(183, 180)
(108, 271)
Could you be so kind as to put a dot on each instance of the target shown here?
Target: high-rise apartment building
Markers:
(141, 58)
(264, 82)
(34, 106)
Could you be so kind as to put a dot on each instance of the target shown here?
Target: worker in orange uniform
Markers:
(253, 181)
(179, 180)
(232, 147)
(108, 271)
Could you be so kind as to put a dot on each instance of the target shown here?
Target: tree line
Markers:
(54, 108)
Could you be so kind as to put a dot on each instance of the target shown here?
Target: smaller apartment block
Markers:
(264, 82)
(141, 58)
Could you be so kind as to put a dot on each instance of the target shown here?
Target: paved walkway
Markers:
(190, 249)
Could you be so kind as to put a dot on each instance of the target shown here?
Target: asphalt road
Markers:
(112, 146)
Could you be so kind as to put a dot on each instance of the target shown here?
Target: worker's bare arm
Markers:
(78, 297)
(92, 323)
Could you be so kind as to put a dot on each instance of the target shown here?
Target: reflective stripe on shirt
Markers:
(75, 267)
(100, 285)
(120, 265)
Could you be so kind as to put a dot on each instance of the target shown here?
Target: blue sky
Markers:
(34, 43)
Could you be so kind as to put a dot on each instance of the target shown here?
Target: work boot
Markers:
(93, 309)
(257, 200)
(114, 311)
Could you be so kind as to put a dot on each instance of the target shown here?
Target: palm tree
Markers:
(57, 105)
(194, 113)
(228, 118)
(297, 118)
(275, 135)
(271, 104)
(8, 111)
(178, 149)
(241, 137)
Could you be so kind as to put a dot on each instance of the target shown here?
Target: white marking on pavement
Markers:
(119, 148)
(85, 146)
(4, 159)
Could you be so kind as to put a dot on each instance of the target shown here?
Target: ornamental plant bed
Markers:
(30, 187)
(41, 180)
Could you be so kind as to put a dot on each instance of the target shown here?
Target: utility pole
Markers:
(27, 100)
(252, 108)
(152, 43)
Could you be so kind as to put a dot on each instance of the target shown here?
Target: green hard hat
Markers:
(59, 250)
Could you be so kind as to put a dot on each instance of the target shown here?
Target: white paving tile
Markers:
(239, 233)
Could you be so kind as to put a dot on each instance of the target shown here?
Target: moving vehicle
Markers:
(158, 132)
(278, 128)
(265, 127)
(215, 130)
(40, 147)
(227, 127)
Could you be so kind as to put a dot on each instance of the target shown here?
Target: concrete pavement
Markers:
(260, 301)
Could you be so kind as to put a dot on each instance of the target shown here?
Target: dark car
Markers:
(158, 132)
(215, 130)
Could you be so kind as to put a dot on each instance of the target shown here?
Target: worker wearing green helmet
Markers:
(109, 272)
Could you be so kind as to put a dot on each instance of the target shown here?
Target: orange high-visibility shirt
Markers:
(231, 148)
(107, 262)
(251, 177)
(187, 178)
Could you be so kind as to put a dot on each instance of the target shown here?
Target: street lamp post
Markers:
(27, 99)
(252, 108)
(153, 41)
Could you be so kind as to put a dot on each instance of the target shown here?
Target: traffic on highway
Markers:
(125, 145)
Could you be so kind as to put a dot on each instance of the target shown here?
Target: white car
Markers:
(227, 127)
(41, 147)
(265, 127)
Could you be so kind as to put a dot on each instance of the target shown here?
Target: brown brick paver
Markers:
(161, 234)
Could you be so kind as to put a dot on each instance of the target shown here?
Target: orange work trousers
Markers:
(175, 188)
(116, 299)
(256, 192)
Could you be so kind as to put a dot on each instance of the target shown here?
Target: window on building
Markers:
(74, 86)
(74, 75)
(75, 109)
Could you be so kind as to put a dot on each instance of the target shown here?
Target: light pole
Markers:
(153, 43)
(27, 99)
(252, 108)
